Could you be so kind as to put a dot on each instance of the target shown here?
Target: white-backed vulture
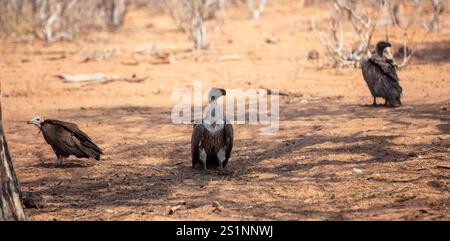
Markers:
(212, 140)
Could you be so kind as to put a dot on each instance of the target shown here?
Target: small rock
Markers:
(357, 171)
(272, 40)
(313, 55)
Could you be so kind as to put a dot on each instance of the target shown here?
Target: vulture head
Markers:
(383, 50)
(37, 121)
(215, 93)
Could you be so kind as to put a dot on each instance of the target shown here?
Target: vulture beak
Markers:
(216, 93)
(388, 54)
(34, 122)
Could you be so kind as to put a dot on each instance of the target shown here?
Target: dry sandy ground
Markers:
(304, 172)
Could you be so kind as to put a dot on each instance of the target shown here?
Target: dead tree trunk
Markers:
(198, 25)
(117, 12)
(10, 196)
(256, 12)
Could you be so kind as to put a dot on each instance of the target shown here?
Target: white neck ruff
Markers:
(213, 124)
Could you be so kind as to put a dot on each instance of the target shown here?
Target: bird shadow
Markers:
(374, 106)
(66, 165)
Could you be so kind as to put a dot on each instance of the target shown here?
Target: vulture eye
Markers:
(213, 98)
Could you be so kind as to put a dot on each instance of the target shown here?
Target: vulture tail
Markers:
(392, 91)
(92, 150)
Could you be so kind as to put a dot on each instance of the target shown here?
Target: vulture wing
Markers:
(61, 140)
(386, 68)
(229, 135)
(390, 86)
(197, 136)
(77, 139)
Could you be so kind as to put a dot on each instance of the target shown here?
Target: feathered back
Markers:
(211, 143)
(382, 80)
(80, 146)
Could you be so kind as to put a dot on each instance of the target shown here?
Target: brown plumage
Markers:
(67, 139)
(380, 74)
(212, 142)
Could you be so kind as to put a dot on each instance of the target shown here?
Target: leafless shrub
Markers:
(190, 17)
(435, 23)
(54, 20)
(256, 12)
(408, 24)
(407, 16)
(362, 18)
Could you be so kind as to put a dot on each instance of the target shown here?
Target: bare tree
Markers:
(10, 195)
(363, 24)
(189, 17)
(117, 10)
(256, 12)
(405, 26)
(367, 16)
(54, 20)
(435, 24)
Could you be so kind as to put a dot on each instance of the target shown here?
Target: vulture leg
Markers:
(374, 101)
(386, 103)
(221, 157)
(60, 161)
(203, 158)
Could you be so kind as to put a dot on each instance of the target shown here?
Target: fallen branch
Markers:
(176, 208)
(99, 78)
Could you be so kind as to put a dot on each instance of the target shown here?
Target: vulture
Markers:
(212, 140)
(380, 74)
(66, 139)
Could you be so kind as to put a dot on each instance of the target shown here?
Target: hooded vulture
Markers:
(380, 74)
(212, 140)
(66, 139)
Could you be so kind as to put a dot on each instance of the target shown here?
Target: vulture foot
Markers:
(60, 162)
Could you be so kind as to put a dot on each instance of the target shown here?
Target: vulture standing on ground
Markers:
(380, 74)
(66, 139)
(212, 140)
